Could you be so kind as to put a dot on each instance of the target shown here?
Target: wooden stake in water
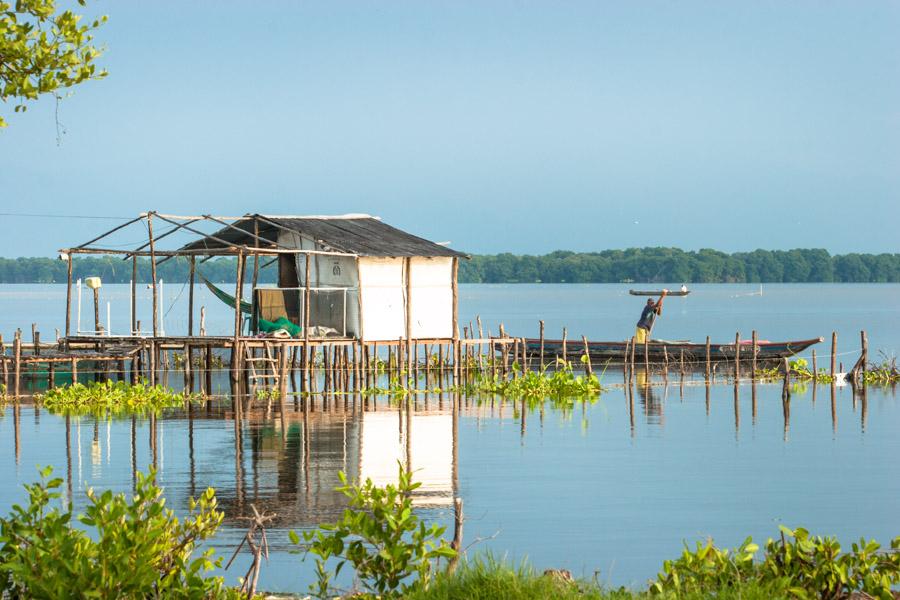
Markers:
(864, 341)
(737, 356)
(542, 345)
(833, 356)
(707, 359)
(754, 349)
(587, 355)
(815, 370)
(786, 387)
(564, 351)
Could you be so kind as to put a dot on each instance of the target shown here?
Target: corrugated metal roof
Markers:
(361, 235)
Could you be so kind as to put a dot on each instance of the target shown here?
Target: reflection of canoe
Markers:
(658, 350)
(658, 293)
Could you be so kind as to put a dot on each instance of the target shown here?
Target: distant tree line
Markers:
(642, 265)
(649, 265)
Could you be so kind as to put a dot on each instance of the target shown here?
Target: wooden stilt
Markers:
(69, 297)
(587, 354)
(153, 273)
(542, 344)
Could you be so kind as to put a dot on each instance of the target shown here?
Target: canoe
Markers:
(660, 350)
(658, 293)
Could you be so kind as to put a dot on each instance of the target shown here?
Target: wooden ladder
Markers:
(268, 363)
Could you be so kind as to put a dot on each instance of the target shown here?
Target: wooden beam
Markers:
(111, 231)
(159, 237)
(408, 263)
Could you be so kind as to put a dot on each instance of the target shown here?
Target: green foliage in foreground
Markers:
(486, 578)
(391, 551)
(132, 548)
(802, 565)
(114, 398)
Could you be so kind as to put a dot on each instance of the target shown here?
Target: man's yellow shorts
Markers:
(640, 335)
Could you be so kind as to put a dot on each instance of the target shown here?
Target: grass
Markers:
(486, 578)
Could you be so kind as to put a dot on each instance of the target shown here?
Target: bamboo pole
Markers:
(625, 362)
(737, 356)
(153, 273)
(564, 349)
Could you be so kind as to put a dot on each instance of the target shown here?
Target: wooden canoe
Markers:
(659, 350)
(658, 293)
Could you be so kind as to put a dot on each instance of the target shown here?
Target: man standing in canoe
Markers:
(648, 316)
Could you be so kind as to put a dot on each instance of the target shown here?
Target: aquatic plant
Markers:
(113, 398)
(561, 382)
(804, 565)
(883, 373)
(120, 548)
(390, 549)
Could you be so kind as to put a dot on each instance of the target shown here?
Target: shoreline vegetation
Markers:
(632, 265)
(137, 547)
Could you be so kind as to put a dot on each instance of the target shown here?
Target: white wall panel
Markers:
(431, 301)
(383, 298)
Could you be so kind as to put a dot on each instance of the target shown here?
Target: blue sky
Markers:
(502, 126)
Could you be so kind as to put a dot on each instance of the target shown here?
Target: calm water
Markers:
(614, 486)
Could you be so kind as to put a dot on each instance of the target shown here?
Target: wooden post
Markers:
(97, 325)
(864, 341)
(17, 355)
(238, 293)
(134, 274)
(755, 349)
(69, 296)
(542, 345)
(587, 353)
(737, 356)
(306, 301)
(786, 387)
(4, 365)
(193, 268)
(625, 362)
(833, 356)
(647, 355)
(564, 350)
(153, 273)
(681, 363)
(708, 369)
(631, 369)
(454, 284)
(815, 370)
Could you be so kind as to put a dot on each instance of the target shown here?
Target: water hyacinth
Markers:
(115, 398)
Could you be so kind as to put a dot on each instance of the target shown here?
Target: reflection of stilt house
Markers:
(356, 276)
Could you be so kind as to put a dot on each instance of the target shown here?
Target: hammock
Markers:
(281, 323)
(246, 307)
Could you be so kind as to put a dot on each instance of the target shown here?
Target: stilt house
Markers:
(350, 276)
